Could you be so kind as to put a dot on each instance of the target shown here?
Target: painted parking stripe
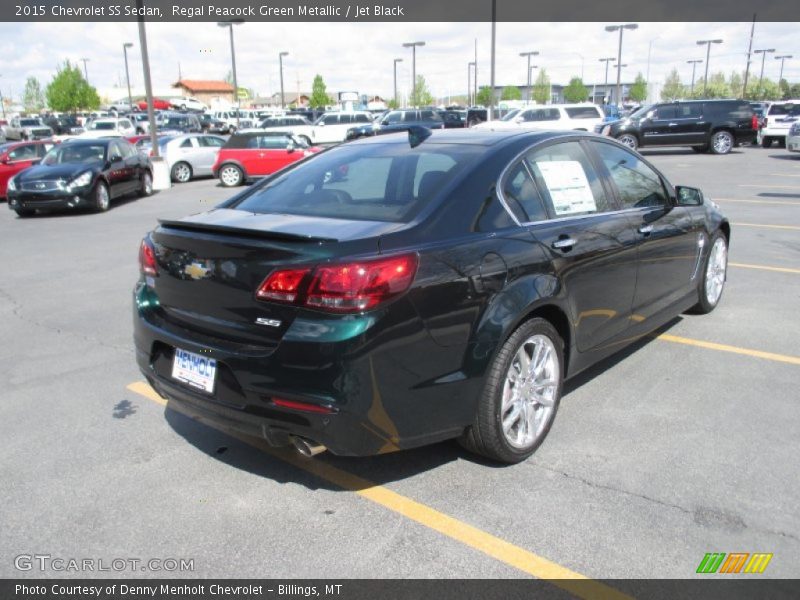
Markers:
(780, 186)
(764, 268)
(784, 358)
(767, 226)
(486, 543)
(747, 201)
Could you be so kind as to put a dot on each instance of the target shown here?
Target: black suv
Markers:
(715, 125)
(401, 120)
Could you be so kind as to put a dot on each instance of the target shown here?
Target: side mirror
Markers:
(4, 160)
(518, 119)
(290, 147)
(36, 161)
(321, 123)
(688, 196)
(115, 159)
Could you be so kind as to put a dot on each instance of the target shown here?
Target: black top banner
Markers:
(398, 10)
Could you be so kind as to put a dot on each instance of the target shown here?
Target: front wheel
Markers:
(714, 275)
(181, 172)
(101, 198)
(721, 142)
(146, 188)
(521, 396)
(629, 140)
(231, 176)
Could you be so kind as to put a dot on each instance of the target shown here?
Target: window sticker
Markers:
(569, 189)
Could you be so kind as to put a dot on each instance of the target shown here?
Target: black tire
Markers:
(305, 139)
(101, 200)
(705, 304)
(181, 172)
(230, 175)
(485, 436)
(629, 140)
(766, 142)
(24, 213)
(700, 149)
(721, 142)
(781, 142)
(146, 185)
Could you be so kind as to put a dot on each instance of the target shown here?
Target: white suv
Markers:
(188, 103)
(332, 127)
(778, 119)
(110, 127)
(580, 117)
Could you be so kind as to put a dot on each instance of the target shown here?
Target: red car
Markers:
(158, 104)
(17, 156)
(256, 154)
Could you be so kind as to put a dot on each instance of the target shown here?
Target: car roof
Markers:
(93, 141)
(477, 137)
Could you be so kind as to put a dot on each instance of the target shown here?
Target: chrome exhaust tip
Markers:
(306, 447)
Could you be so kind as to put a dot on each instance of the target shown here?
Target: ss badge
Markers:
(268, 322)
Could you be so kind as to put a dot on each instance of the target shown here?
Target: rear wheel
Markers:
(714, 275)
(181, 172)
(722, 142)
(629, 140)
(231, 176)
(766, 142)
(102, 200)
(522, 394)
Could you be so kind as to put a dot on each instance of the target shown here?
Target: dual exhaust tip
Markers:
(305, 447)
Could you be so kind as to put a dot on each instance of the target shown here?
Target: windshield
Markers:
(387, 182)
(175, 122)
(510, 116)
(29, 122)
(75, 154)
(103, 126)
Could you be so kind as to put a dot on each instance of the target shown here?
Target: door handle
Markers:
(673, 124)
(564, 243)
(646, 229)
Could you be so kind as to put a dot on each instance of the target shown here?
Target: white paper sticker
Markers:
(569, 189)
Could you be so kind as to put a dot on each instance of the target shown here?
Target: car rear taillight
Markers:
(303, 406)
(147, 259)
(282, 286)
(754, 122)
(342, 288)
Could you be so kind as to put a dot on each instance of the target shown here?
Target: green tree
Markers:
(392, 104)
(511, 92)
(717, 88)
(421, 96)
(33, 97)
(319, 95)
(484, 96)
(638, 91)
(541, 88)
(784, 88)
(69, 91)
(735, 84)
(576, 91)
(794, 90)
(673, 88)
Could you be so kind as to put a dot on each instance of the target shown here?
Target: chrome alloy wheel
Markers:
(102, 199)
(148, 184)
(722, 142)
(529, 391)
(182, 173)
(715, 271)
(230, 176)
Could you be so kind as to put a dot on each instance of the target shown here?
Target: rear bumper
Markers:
(374, 373)
(774, 132)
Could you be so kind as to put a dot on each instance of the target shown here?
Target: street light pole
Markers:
(148, 86)
(708, 56)
(605, 85)
(280, 66)
(694, 63)
(413, 46)
(528, 71)
(396, 60)
(125, 47)
(85, 71)
(782, 58)
(763, 52)
(470, 101)
(229, 25)
(620, 28)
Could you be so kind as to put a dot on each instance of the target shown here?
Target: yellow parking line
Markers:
(784, 202)
(792, 360)
(793, 227)
(471, 536)
(764, 268)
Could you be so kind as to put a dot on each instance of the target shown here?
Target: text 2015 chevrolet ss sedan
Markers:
(404, 289)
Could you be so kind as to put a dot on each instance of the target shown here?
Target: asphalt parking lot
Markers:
(685, 444)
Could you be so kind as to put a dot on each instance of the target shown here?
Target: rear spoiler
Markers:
(241, 231)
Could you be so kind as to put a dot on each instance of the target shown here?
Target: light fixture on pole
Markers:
(396, 60)
(694, 62)
(125, 47)
(605, 85)
(707, 43)
(528, 72)
(620, 28)
(763, 52)
(229, 25)
(280, 66)
(782, 58)
(85, 71)
(470, 100)
(413, 46)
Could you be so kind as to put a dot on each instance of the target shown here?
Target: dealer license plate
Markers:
(194, 369)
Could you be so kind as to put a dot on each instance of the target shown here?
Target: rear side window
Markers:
(361, 119)
(637, 184)
(373, 182)
(666, 112)
(689, 111)
(394, 117)
(567, 180)
(330, 119)
(584, 112)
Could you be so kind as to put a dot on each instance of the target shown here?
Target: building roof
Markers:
(204, 85)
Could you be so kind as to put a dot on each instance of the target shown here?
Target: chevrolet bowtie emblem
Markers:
(196, 270)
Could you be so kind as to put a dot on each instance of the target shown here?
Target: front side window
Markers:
(583, 112)
(567, 180)
(211, 141)
(330, 119)
(394, 117)
(518, 188)
(637, 184)
(27, 152)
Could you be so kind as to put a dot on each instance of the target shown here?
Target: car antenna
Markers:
(417, 135)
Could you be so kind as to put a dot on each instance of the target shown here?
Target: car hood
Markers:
(63, 171)
(289, 225)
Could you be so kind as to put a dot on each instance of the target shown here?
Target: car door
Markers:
(661, 127)
(209, 149)
(252, 156)
(15, 160)
(668, 238)
(276, 153)
(592, 245)
(118, 173)
(189, 151)
(693, 126)
(133, 164)
(325, 131)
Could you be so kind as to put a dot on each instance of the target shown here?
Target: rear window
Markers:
(388, 182)
(584, 112)
(784, 109)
